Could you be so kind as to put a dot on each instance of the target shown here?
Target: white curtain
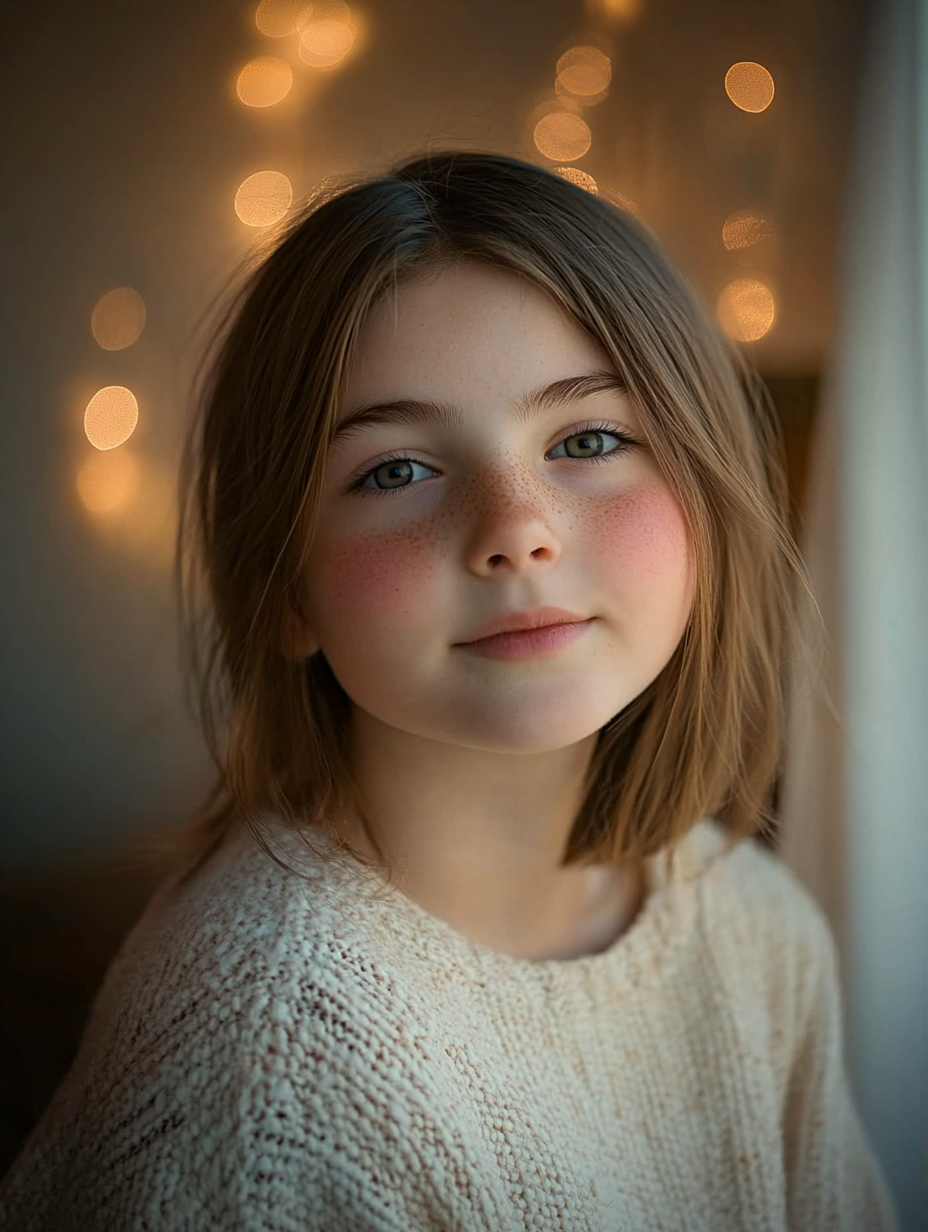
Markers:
(855, 793)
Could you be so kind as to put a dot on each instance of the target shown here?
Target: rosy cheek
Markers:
(642, 537)
(375, 577)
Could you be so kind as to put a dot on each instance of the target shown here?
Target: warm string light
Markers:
(578, 177)
(324, 32)
(745, 307)
(105, 483)
(118, 318)
(278, 18)
(107, 480)
(562, 136)
(112, 414)
(749, 86)
(583, 75)
(263, 198)
(326, 40)
(745, 228)
(264, 81)
(614, 11)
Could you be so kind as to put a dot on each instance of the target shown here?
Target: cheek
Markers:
(642, 540)
(375, 578)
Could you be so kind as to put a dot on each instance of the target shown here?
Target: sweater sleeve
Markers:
(221, 1173)
(286, 1130)
(834, 1181)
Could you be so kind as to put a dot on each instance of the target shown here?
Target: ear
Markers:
(298, 641)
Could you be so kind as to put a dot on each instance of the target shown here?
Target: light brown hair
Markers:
(706, 737)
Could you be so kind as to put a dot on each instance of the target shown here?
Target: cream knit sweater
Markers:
(267, 1055)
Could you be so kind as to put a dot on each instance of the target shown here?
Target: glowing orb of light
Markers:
(745, 228)
(111, 416)
(106, 482)
(584, 71)
(746, 309)
(749, 86)
(616, 10)
(278, 18)
(118, 318)
(578, 177)
(562, 136)
(263, 198)
(329, 34)
(264, 81)
(324, 44)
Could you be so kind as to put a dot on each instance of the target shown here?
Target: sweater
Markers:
(271, 1053)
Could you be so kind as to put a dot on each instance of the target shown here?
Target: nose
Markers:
(511, 531)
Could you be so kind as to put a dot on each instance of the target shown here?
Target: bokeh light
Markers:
(263, 198)
(329, 35)
(324, 44)
(578, 177)
(749, 86)
(111, 417)
(562, 136)
(278, 18)
(584, 71)
(745, 228)
(264, 81)
(746, 309)
(118, 318)
(614, 10)
(106, 481)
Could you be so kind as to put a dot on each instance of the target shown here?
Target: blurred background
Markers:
(777, 151)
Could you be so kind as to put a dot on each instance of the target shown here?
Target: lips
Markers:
(536, 618)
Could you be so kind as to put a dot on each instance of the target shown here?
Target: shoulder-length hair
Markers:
(706, 737)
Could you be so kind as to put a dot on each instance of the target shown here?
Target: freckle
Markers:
(383, 569)
(646, 517)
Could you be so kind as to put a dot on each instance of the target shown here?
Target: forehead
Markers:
(473, 325)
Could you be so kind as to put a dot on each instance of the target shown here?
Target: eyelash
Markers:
(626, 442)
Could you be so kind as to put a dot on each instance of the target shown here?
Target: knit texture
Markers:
(267, 1054)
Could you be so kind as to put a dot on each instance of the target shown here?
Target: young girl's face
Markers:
(495, 514)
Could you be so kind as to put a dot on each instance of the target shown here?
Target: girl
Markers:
(472, 933)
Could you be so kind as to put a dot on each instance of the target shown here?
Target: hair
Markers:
(707, 736)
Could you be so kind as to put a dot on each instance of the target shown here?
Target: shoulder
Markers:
(248, 948)
(764, 938)
(759, 895)
(237, 1025)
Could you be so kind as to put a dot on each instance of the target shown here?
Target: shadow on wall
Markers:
(60, 930)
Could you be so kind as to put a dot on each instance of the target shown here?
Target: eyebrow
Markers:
(450, 416)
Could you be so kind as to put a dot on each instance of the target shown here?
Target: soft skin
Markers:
(472, 769)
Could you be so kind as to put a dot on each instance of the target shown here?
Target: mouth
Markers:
(525, 622)
(540, 642)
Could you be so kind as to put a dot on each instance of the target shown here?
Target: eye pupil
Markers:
(400, 471)
(584, 437)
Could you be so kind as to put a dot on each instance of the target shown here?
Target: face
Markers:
(494, 514)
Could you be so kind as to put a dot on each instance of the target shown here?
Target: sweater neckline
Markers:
(639, 954)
